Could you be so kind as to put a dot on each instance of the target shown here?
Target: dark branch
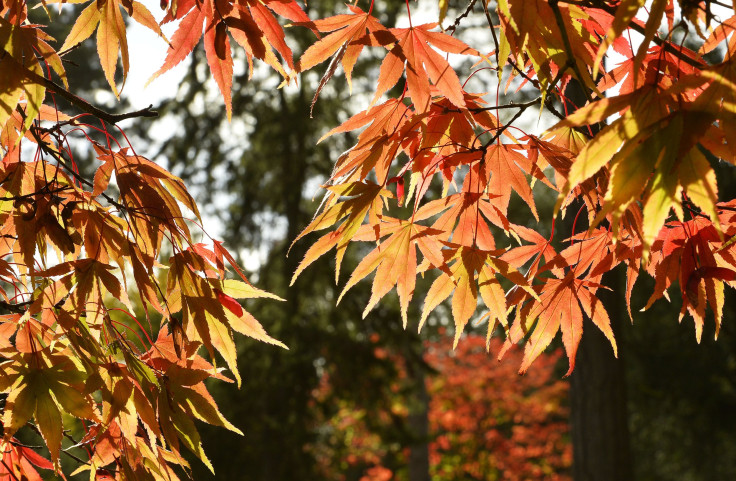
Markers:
(18, 308)
(79, 102)
(467, 11)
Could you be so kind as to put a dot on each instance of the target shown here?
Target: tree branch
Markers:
(510, 122)
(78, 102)
(18, 308)
(493, 33)
(467, 11)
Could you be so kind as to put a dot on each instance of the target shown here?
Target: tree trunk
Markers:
(418, 424)
(598, 414)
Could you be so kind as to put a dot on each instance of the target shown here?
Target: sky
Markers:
(142, 66)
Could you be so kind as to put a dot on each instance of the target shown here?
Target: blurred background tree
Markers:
(485, 423)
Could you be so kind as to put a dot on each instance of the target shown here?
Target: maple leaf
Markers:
(32, 217)
(391, 125)
(41, 384)
(362, 198)
(654, 20)
(558, 309)
(659, 66)
(644, 162)
(20, 462)
(112, 41)
(250, 24)
(473, 271)
(205, 318)
(91, 280)
(539, 251)
(721, 33)
(410, 50)
(414, 53)
(394, 260)
(346, 42)
(151, 194)
(684, 252)
(507, 167)
(625, 15)
(529, 28)
(21, 44)
(183, 395)
(240, 319)
(718, 99)
(469, 209)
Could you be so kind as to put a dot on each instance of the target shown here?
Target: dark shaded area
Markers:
(598, 409)
(682, 395)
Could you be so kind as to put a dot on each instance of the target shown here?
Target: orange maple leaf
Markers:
(395, 260)
(250, 24)
(558, 309)
(415, 53)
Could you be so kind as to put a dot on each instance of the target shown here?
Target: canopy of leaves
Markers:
(637, 156)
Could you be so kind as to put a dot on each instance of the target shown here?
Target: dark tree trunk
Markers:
(418, 424)
(598, 414)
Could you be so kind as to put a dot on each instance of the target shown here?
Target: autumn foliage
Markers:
(485, 421)
(108, 298)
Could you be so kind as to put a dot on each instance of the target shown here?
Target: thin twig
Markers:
(18, 308)
(493, 32)
(547, 96)
(15, 442)
(44, 191)
(45, 148)
(467, 11)
(550, 106)
(505, 126)
(524, 75)
(511, 105)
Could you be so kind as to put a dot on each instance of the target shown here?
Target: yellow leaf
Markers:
(247, 325)
(48, 419)
(625, 13)
(241, 290)
(83, 28)
(18, 408)
(654, 19)
(204, 407)
(443, 10)
(699, 182)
